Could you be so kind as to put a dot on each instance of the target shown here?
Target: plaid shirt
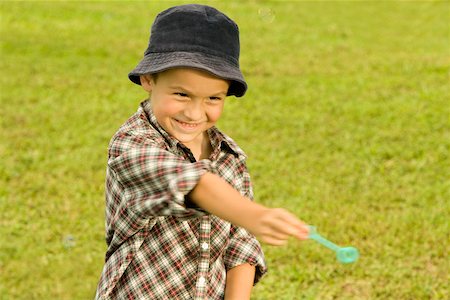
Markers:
(160, 245)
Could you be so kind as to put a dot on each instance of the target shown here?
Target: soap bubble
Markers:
(266, 14)
(69, 241)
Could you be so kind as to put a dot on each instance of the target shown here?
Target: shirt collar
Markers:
(146, 106)
(222, 142)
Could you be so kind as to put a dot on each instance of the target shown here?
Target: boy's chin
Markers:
(186, 139)
(190, 140)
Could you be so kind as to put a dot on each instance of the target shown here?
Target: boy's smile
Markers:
(186, 102)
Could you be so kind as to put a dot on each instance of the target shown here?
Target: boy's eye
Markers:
(215, 98)
(181, 94)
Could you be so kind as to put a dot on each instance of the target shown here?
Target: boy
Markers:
(179, 220)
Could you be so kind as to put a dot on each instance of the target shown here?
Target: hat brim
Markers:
(158, 62)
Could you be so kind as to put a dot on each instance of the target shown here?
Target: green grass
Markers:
(346, 123)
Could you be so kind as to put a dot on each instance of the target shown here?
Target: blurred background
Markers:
(346, 123)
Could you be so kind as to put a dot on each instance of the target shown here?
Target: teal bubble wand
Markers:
(344, 255)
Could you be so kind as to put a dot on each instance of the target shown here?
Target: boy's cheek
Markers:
(166, 108)
(215, 114)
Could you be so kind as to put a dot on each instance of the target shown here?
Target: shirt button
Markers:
(201, 281)
(205, 246)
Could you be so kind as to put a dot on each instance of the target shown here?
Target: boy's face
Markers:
(186, 102)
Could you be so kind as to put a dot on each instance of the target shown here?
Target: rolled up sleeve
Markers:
(156, 182)
(244, 248)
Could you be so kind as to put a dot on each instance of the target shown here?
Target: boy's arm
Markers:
(240, 282)
(271, 225)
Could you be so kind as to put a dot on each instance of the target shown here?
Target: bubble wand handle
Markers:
(321, 240)
(344, 255)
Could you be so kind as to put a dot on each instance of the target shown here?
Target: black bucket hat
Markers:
(194, 36)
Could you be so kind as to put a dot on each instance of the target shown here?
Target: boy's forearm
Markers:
(240, 282)
(215, 195)
(271, 225)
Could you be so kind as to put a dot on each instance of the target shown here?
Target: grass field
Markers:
(346, 123)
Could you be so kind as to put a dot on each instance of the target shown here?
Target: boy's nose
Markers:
(194, 110)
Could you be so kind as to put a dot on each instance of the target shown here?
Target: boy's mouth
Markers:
(185, 125)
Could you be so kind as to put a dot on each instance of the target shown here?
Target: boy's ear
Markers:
(147, 82)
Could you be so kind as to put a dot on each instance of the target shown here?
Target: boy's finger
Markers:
(301, 229)
(278, 235)
(284, 228)
(273, 241)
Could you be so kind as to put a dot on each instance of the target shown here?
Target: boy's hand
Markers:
(274, 226)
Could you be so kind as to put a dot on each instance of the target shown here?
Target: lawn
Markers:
(346, 124)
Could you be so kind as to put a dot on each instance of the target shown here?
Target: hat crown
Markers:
(195, 28)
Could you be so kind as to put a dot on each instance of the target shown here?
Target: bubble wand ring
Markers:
(344, 255)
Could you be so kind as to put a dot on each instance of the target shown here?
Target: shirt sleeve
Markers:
(155, 181)
(244, 248)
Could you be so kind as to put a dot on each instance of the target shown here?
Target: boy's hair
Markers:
(194, 36)
(154, 76)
